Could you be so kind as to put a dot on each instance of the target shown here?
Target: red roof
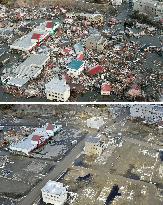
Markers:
(106, 87)
(36, 138)
(135, 90)
(49, 24)
(97, 69)
(80, 57)
(135, 87)
(36, 36)
(50, 127)
(67, 50)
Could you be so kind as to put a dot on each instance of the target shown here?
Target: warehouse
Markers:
(29, 41)
(30, 69)
(35, 140)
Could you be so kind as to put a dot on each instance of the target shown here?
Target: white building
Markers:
(150, 113)
(54, 193)
(95, 122)
(57, 90)
(93, 146)
(117, 2)
(150, 7)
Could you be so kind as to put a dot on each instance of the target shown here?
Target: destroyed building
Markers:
(31, 68)
(94, 146)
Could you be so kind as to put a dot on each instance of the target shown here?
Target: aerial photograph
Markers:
(81, 154)
(81, 50)
(81, 102)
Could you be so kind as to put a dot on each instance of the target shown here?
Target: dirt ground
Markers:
(133, 167)
(122, 169)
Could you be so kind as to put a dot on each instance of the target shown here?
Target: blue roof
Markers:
(75, 64)
(78, 48)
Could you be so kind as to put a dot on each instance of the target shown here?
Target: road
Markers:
(53, 175)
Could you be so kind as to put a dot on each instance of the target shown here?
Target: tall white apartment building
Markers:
(57, 90)
(54, 193)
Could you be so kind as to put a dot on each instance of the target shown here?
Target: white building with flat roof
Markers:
(95, 122)
(54, 193)
(57, 90)
(117, 2)
(150, 113)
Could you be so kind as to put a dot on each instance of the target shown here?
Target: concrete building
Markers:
(150, 7)
(116, 2)
(54, 193)
(96, 42)
(93, 146)
(95, 122)
(57, 90)
(150, 113)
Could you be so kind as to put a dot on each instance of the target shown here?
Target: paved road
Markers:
(60, 167)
